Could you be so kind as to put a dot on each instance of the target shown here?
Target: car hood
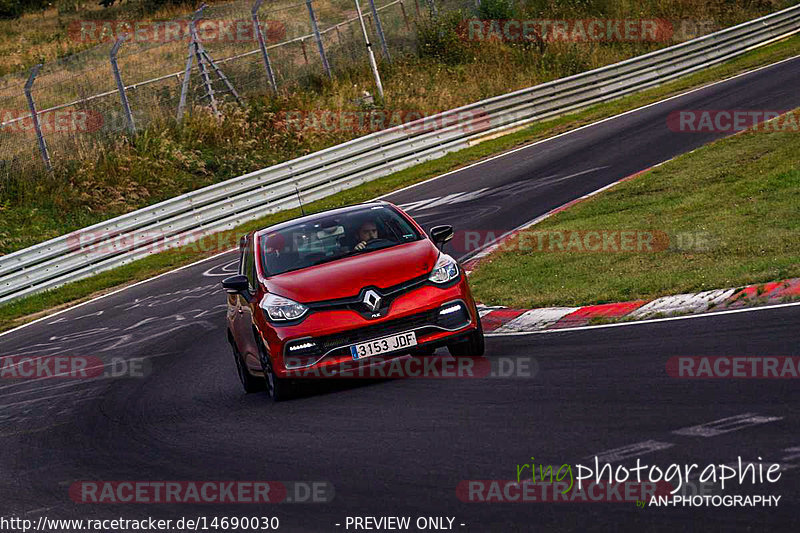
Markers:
(346, 277)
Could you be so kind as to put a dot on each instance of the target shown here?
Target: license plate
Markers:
(384, 345)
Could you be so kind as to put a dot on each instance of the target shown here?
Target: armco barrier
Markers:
(227, 204)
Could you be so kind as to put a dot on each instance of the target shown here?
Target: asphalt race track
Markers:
(393, 447)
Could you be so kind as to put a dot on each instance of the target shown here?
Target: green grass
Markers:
(104, 174)
(739, 194)
(26, 309)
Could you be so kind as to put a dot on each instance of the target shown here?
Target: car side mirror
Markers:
(236, 284)
(441, 234)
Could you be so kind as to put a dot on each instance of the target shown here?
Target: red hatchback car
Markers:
(334, 289)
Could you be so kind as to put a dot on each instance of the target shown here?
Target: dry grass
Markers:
(104, 175)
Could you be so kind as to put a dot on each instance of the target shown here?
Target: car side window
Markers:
(249, 265)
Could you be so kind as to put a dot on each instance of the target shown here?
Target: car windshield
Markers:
(326, 239)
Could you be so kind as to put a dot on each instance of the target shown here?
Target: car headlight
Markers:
(279, 308)
(446, 269)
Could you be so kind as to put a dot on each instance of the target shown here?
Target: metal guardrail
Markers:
(230, 203)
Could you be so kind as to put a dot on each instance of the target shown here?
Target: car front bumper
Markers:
(321, 342)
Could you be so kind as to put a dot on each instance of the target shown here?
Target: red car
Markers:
(336, 288)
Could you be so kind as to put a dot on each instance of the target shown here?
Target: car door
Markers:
(247, 267)
(234, 310)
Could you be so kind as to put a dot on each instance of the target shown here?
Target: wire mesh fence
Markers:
(78, 103)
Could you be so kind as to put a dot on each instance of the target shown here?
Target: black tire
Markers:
(278, 389)
(249, 382)
(472, 346)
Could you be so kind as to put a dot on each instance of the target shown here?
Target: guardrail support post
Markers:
(379, 27)
(263, 46)
(372, 62)
(121, 86)
(35, 117)
(325, 66)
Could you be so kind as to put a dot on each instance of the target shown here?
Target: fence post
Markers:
(35, 117)
(263, 46)
(379, 27)
(434, 10)
(185, 84)
(325, 66)
(201, 66)
(186, 73)
(121, 86)
(405, 17)
(303, 47)
(372, 62)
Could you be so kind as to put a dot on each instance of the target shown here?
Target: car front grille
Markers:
(391, 327)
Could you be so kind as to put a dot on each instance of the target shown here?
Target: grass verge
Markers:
(23, 310)
(727, 215)
(436, 66)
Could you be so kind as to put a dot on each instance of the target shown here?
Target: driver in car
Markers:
(368, 231)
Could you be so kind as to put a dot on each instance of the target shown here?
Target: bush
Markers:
(441, 38)
(10, 9)
(496, 9)
(151, 6)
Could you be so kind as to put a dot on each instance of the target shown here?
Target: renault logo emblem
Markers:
(372, 300)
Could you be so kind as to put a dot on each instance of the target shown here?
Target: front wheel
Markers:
(249, 383)
(278, 389)
(472, 346)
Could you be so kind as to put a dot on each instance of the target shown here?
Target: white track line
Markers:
(116, 291)
(416, 184)
(492, 158)
(650, 321)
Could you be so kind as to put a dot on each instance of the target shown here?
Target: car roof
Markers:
(319, 216)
